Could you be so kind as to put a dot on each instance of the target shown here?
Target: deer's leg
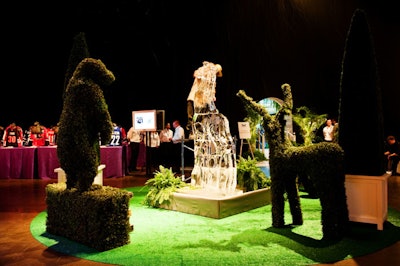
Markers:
(294, 200)
(277, 202)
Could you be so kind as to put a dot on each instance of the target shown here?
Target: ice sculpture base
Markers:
(215, 205)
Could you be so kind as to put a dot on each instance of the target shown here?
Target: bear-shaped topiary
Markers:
(84, 119)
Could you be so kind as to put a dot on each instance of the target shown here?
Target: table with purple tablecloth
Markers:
(126, 157)
(17, 162)
(111, 156)
(47, 161)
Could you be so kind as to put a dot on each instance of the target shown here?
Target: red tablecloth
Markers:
(17, 162)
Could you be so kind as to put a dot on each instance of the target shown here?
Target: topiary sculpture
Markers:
(322, 162)
(83, 120)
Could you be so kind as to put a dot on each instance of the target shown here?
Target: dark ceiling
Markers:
(153, 47)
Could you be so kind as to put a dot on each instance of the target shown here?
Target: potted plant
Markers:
(360, 106)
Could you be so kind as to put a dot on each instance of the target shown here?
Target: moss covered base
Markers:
(98, 218)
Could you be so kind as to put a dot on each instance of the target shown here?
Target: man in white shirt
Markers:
(328, 131)
(179, 133)
(177, 139)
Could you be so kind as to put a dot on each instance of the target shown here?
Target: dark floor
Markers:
(22, 199)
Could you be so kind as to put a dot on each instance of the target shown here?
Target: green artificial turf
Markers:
(164, 237)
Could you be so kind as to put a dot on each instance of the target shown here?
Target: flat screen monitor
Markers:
(144, 120)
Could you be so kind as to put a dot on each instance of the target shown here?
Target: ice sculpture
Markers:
(214, 168)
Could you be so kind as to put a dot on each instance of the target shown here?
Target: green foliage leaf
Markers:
(309, 123)
(250, 176)
(161, 186)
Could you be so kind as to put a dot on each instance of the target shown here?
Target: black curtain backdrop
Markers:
(153, 48)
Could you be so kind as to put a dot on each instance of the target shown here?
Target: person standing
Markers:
(135, 137)
(392, 153)
(123, 134)
(166, 145)
(152, 151)
(116, 136)
(328, 131)
(177, 139)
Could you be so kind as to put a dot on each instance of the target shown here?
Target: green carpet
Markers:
(164, 237)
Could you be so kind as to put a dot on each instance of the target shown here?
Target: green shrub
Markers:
(250, 176)
(161, 186)
(98, 218)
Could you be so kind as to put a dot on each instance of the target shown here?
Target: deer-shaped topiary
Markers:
(322, 162)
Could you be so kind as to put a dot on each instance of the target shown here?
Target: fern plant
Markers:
(161, 186)
(249, 176)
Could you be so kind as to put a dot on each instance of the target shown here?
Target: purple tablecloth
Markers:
(18, 162)
(126, 157)
(21, 162)
(47, 161)
(111, 156)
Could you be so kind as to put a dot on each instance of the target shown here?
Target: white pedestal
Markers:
(62, 177)
(367, 198)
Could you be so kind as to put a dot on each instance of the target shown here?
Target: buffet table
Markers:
(22, 162)
(17, 162)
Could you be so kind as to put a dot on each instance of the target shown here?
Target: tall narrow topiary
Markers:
(83, 120)
(360, 110)
(79, 51)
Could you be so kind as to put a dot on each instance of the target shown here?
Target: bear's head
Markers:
(94, 69)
